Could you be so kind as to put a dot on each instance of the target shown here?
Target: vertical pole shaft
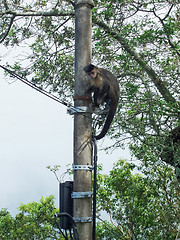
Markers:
(82, 121)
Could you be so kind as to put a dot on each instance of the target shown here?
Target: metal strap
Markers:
(81, 194)
(82, 97)
(82, 167)
(81, 109)
(82, 219)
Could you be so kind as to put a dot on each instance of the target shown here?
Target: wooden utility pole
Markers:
(82, 196)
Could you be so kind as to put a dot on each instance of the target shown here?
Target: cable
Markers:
(24, 80)
(55, 216)
(94, 188)
(75, 233)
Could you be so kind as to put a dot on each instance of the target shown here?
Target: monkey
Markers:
(170, 152)
(105, 89)
(175, 134)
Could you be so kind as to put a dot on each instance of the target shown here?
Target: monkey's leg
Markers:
(95, 97)
(103, 94)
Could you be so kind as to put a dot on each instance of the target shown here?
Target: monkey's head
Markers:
(91, 70)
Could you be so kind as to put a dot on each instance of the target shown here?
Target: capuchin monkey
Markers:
(105, 87)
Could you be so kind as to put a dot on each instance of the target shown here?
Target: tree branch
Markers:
(9, 28)
(29, 14)
(39, 14)
(5, 4)
(151, 73)
(165, 30)
(125, 74)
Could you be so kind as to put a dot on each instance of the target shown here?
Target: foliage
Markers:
(34, 221)
(140, 206)
(137, 40)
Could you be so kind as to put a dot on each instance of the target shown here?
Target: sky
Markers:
(35, 132)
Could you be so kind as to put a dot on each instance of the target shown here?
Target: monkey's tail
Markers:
(109, 119)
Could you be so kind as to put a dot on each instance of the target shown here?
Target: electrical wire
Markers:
(24, 80)
(94, 188)
(55, 217)
(75, 233)
(98, 120)
(27, 82)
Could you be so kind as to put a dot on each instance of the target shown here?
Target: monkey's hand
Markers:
(101, 112)
(90, 90)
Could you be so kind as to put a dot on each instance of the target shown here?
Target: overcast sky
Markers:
(35, 132)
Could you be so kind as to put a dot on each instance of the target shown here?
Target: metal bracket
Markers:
(81, 194)
(81, 109)
(82, 219)
(82, 167)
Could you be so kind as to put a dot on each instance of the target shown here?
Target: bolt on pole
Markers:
(82, 120)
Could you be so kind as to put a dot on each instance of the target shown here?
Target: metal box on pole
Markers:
(66, 203)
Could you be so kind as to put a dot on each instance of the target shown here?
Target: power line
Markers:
(27, 82)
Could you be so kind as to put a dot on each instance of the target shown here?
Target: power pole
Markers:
(82, 195)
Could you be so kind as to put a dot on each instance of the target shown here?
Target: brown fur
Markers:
(105, 87)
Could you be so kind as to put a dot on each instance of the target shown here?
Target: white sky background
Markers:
(35, 132)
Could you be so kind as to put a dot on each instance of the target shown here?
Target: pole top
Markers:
(83, 2)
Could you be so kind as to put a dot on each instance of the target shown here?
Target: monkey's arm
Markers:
(104, 92)
(90, 90)
(101, 95)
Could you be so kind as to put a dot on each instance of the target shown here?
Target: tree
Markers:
(139, 206)
(143, 205)
(137, 40)
(34, 221)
